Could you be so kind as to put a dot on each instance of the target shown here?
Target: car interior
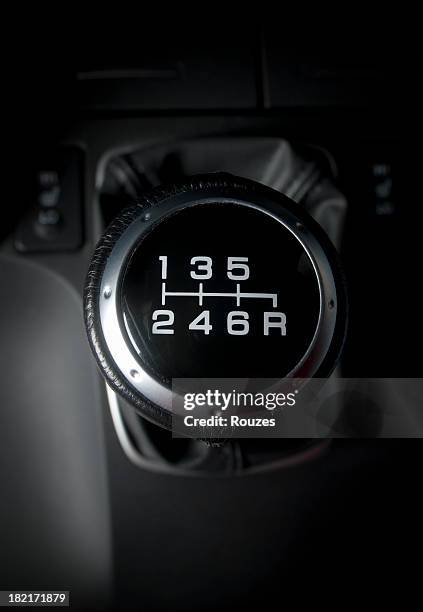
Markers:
(98, 496)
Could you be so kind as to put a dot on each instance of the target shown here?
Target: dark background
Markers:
(75, 513)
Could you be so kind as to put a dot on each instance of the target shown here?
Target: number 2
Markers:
(159, 325)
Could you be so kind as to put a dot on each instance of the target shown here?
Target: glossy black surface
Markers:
(278, 265)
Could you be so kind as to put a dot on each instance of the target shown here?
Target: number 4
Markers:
(197, 325)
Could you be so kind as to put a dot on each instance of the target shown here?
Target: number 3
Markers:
(206, 266)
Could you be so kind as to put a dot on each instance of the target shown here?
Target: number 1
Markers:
(163, 259)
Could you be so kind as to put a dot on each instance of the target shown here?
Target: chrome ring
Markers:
(109, 299)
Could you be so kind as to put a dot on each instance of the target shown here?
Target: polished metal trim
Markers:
(109, 299)
(136, 457)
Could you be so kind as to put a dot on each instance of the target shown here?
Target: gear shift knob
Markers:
(214, 277)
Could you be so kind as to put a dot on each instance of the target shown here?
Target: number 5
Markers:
(234, 264)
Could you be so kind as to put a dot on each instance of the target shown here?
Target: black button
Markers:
(54, 221)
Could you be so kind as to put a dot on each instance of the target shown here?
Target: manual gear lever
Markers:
(214, 277)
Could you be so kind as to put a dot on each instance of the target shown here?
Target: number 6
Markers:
(238, 318)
